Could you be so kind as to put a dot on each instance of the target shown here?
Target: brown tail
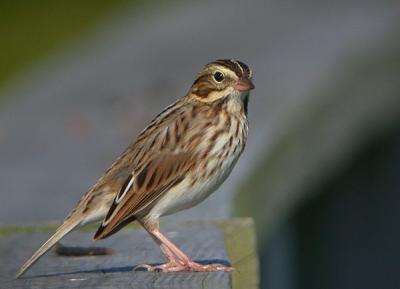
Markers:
(64, 229)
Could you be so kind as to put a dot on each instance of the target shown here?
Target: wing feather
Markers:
(140, 191)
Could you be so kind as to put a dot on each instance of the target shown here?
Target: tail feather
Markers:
(64, 229)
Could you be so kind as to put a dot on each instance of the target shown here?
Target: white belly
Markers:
(185, 196)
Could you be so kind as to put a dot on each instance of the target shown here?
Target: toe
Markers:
(193, 266)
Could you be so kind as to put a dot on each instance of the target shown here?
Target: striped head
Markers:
(220, 79)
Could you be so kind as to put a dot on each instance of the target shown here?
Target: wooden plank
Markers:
(240, 243)
(204, 241)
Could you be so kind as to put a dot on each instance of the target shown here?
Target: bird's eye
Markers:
(218, 76)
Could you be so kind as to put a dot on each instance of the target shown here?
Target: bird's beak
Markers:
(243, 84)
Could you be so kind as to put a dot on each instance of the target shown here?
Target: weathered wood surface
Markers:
(230, 242)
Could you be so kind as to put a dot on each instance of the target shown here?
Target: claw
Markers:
(146, 267)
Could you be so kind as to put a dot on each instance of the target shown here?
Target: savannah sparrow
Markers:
(183, 156)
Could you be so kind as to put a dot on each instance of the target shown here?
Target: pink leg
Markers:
(174, 264)
(186, 264)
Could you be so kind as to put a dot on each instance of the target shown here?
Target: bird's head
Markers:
(222, 78)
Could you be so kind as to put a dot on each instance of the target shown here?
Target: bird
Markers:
(184, 154)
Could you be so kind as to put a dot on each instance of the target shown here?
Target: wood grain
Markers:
(206, 241)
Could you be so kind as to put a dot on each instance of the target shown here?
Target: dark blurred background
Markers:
(320, 174)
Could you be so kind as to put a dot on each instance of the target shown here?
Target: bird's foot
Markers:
(189, 266)
(197, 267)
(172, 266)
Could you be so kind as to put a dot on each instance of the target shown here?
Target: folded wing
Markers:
(140, 190)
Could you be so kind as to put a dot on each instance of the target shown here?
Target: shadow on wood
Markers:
(228, 242)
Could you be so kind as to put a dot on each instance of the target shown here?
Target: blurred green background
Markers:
(320, 171)
(31, 30)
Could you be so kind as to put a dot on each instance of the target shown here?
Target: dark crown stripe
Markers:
(246, 69)
(232, 65)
